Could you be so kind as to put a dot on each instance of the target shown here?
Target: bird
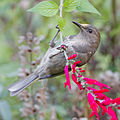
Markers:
(84, 44)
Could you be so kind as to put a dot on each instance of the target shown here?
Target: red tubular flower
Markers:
(82, 71)
(79, 75)
(112, 113)
(101, 96)
(78, 62)
(116, 100)
(80, 68)
(102, 107)
(106, 102)
(101, 91)
(67, 77)
(118, 108)
(95, 82)
(93, 105)
(72, 56)
(75, 80)
(74, 65)
(73, 68)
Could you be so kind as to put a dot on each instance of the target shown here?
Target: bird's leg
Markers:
(52, 43)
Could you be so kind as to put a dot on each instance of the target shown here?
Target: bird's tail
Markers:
(19, 86)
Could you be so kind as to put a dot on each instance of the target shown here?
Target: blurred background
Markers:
(24, 38)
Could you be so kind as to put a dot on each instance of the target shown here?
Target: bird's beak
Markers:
(79, 25)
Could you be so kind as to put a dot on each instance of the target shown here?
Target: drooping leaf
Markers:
(86, 6)
(45, 8)
(61, 22)
(5, 112)
(70, 5)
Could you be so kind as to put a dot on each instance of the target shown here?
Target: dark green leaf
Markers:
(45, 8)
(86, 6)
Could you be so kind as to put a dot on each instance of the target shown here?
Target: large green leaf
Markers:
(70, 5)
(45, 8)
(61, 22)
(86, 6)
(5, 112)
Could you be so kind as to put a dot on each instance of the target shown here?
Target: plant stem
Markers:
(61, 10)
(32, 94)
(61, 35)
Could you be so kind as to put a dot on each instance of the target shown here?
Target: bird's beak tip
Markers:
(77, 24)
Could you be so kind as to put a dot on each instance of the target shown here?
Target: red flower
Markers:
(78, 62)
(95, 82)
(67, 77)
(73, 68)
(75, 80)
(93, 105)
(82, 71)
(72, 56)
(80, 68)
(116, 100)
(106, 102)
(101, 91)
(79, 75)
(74, 65)
(102, 107)
(112, 113)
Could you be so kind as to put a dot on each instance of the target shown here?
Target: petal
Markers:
(112, 113)
(72, 56)
(67, 83)
(101, 91)
(116, 100)
(75, 80)
(82, 71)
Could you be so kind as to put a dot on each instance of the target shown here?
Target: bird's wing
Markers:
(80, 48)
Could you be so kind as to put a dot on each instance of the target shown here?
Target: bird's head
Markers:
(88, 33)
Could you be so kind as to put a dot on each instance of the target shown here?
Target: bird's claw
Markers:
(62, 47)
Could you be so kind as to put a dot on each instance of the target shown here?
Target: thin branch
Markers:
(61, 10)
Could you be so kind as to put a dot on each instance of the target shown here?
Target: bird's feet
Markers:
(52, 42)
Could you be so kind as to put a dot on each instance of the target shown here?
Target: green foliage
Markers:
(61, 22)
(45, 8)
(86, 6)
(70, 5)
(5, 112)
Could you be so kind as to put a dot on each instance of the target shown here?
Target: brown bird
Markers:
(84, 44)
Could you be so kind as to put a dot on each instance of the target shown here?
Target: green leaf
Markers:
(61, 22)
(5, 112)
(86, 6)
(45, 8)
(70, 5)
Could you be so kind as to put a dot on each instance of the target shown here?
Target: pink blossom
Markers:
(93, 105)
(67, 77)
(72, 56)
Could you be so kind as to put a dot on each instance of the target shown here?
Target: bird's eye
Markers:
(90, 31)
